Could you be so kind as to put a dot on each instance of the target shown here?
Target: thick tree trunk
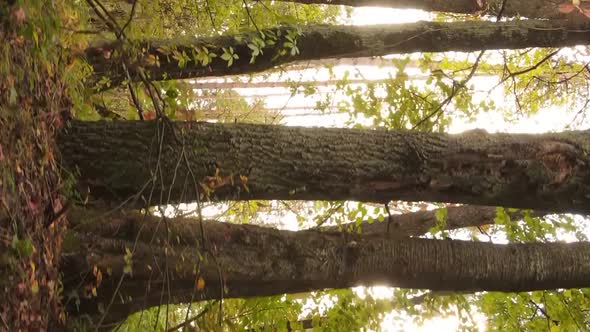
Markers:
(407, 224)
(170, 256)
(547, 9)
(119, 160)
(319, 42)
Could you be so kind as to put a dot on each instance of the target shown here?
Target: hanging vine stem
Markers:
(250, 16)
(208, 8)
(159, 105)
(132, 92)
(203, 238)
(106, 17)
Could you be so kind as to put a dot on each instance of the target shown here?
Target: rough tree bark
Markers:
(139, 160)
(160, 60)
(170, 255)
(547, 9)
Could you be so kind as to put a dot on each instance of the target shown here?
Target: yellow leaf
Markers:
(152, 60)
(35, 287)
(200, 283)
(98, 278)
(36, 37)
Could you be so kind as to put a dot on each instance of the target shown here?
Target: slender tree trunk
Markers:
(360, 61)
(284, 84)
(146, 162)
(419, 223)
(170, 256)
(547, 9)
(160, 61)
(316, 83)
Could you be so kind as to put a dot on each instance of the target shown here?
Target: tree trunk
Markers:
(138, 160)
(420, 222)
(160, 61)
(170, 256)
(357, 61)
(544, 9)
(287, 84)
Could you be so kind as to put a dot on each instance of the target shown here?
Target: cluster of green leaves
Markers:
(418, 306)
(256, 42)
(268, 313)
(320, 311)
(539, 79)
(173, 18)
(401, 101)
(531, 228)
(348, 216)
(556, 310)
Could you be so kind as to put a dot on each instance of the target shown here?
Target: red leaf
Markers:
(149, 115)
(33, 206)
(566, 7)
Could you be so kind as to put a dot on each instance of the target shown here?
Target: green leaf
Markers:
(128, 258)
(24, 247)
(13, 96)
(35, 287)
(255, 49)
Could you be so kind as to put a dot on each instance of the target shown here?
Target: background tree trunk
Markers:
(169, 256)
(147, 162)
(318, 42)
(420, 222)
(547, 9)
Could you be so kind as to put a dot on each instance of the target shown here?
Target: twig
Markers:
(102, 318)
(192, 319)
(203, 242)
(389, 217)
(132, 92)
(250, 16)
(501, 11)
(207, 7)
(4, 322)
(108, 20)
(524, 71)
(131, 16)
